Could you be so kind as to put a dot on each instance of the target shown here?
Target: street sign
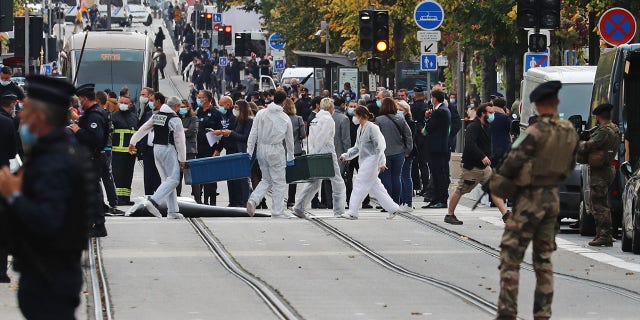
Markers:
(217, 18)
(372, 82)
(276, 42)
(206, 43)
(428, 15)
(278, 65)
(428, 47)
(443, 61)
(429, 62)
(222, 61)
(425, 36)
(617, 26)
(535, 59)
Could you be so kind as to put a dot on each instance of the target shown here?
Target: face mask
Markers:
(236, 112)
(222, 110)
(182, 111)
(124, 107)
(348, 99)
(199, 102)
(151, 106)
(355, 120)
(350, 111)
(28, 138)
(452, 100)
(400, 113)
(144, 100)
(5, 83)
(492, 117)
(20, 105)
(379, 103)
(267, 101)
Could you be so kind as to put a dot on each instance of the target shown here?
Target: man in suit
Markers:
(436, 131)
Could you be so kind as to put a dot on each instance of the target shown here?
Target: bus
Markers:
(111, 60)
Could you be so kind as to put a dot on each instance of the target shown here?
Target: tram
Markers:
(111, 60)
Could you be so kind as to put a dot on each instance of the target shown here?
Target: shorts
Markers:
(469, 179)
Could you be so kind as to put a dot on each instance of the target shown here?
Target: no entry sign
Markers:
(617, 26)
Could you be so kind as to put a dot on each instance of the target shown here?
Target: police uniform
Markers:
(48, 225)
(539, 160)
(93, 134)
(599, 153)
(8, 151)
(125, 124)
(206, 120)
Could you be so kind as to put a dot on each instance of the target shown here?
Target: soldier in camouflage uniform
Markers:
(540, 159)
(599, 152)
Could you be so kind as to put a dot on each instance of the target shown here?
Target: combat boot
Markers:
(602, 242)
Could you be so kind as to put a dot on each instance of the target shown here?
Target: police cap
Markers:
(9, 96)
(56, 91)
(86, 88)
(605, 107)
(544, 91)
(418, 89)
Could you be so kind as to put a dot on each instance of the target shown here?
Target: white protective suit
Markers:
(271, 127)
(321, 140)
(167, 158)
(370, 146)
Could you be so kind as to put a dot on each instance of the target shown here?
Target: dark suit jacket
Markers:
(437, 128)
(477, 145)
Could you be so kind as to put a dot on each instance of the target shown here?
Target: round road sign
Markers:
(617, 26)
(428, 15)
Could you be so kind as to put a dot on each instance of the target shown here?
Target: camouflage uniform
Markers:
(540, 159)
(599, 153)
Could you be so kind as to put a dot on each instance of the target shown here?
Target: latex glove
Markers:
(290, 163)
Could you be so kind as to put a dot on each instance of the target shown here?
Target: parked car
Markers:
(631, 210)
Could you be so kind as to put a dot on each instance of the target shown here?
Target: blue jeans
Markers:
(406, 196)
(391, 177)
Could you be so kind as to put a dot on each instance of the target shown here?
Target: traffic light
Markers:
(374, 65)
(543, 14)
(243, 44)
(366, 30)
(381, 31)
(224, 35)
(35, 37)
(537, 42)
(208, 21)
(6, 16)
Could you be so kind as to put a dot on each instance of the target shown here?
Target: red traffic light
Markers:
(227, 29)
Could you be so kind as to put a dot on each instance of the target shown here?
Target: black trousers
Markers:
(179, 187)
(207, 190)
(4, 253)
(55, 297)
(439, 163)
(422, 168)
(151, 175)
(106, 175)
(122, 165)
(96, 216)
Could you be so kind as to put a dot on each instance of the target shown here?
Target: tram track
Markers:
(99, 285)
(276, 302)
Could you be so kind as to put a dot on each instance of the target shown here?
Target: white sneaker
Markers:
(406, 208)
(282, 216)
(153, 209)
(299, 213)
(251, 208)
(139, 203)
(392, 215)
(348, 216)
(174, 215)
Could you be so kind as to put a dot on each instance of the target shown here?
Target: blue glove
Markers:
(290, 163)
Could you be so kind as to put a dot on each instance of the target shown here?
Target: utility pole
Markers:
(26, 39)
(460, 95)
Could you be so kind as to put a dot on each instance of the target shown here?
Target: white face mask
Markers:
(144, 100)
(124, 107)
(355, 120)
(236, 112)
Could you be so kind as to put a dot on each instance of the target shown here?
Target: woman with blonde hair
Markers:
(299, 133)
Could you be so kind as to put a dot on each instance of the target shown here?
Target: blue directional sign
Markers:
(535, 60)
(428, 15)
(278, 65)
(276, 42)
(429, 62)
(217, 18)
(222, 61)
(206, 43)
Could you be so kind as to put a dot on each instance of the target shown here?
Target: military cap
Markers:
(545, 90)
(56, 91)
(605, 107)
(418, 89)
(86, 88)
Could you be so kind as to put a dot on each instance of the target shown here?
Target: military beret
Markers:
(418, 89)
(605, 107)
(545, 90)
(56, 91)
(86, 89)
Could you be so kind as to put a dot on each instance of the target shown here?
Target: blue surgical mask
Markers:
(20, 106)
(348, 99)
(5, 83)
(199, 102)
(400, 113)
(27, 137)
(150, 105)
(452, 100)
(182, 111)
(492, 117)
(350, 111)
(222, 110)
(378, 103)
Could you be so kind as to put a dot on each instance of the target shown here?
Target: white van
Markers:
(300, 74)
(575, 95)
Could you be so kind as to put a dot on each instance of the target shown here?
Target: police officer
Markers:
(8, 151)
(539, 160)
(47, 204)
(92, 131)
(8, 86)
(599, 152)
